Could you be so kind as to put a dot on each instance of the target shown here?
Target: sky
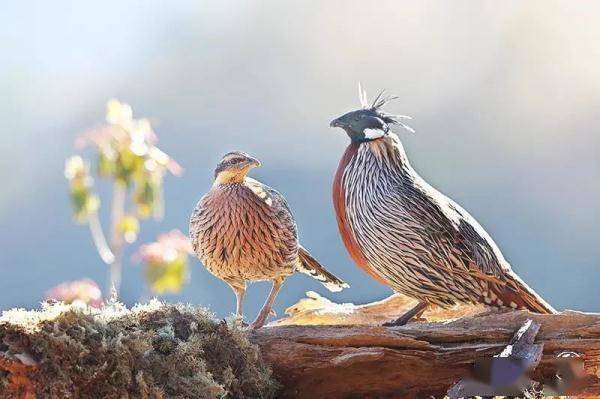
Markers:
(503, 95)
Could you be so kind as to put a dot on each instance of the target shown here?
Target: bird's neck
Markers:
(389, 149)
(230, 177)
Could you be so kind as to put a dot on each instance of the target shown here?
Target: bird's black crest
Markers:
(376, 106)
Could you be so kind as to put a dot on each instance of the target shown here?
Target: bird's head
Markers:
(234, 166)
(370, 122)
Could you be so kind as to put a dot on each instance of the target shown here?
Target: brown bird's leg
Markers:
(266, 309)
(406, 317)
(240, 291)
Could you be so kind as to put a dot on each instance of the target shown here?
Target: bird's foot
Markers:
(400, 321)
(256, 324)
(239, 321)
(414, 313)
(260, 320)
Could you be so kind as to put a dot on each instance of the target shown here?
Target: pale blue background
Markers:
(504, 95)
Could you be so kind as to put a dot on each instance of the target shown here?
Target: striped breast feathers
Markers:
(339, 203)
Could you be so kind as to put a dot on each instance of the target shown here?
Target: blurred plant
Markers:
(86, 291)
(166, 262)
(127, 155)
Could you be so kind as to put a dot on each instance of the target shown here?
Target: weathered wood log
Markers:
(420, 359)
(506, 372)
(165, 350)
(318, 310)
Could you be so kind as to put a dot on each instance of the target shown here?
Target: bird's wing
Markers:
(464, 247)
(448, 225)
(307, 264)
(197, 219)
(277, 202)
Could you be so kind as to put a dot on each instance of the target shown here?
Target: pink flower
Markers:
(86, 291)
(123, 133)
(168, 247)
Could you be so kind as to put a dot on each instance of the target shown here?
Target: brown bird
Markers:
(405, 233)
(243, 230)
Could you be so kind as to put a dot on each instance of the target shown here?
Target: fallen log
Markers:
(162, 350)
(421, 359)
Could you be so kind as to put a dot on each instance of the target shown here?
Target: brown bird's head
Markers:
(234, 166)
(370, 122)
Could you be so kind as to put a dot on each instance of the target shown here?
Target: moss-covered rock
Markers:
(151, 351)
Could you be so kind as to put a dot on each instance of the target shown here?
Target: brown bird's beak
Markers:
(252, 162)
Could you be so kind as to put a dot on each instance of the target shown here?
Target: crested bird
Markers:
(406, 234)
(243, 230)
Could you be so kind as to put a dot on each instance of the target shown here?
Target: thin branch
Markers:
(159, 202)
(100, 239)
(117, 242)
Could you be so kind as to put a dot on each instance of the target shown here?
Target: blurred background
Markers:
(504, 96)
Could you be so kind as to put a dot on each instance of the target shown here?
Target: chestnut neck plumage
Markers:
(230, 177)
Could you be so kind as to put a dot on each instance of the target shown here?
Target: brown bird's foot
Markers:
(267, 309)
(415, 312)
(259, 322)
(239, 321)
(261, 319)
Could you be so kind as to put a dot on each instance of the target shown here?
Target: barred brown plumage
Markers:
(408, 235)
(243, 230)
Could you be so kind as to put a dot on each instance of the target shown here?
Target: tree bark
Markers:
(421, 359)
(344, 353)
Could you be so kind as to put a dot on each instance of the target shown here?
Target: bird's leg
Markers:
(240, 291)
(266, 309)
(417, 311)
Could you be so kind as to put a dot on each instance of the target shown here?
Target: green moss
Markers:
(152, 351)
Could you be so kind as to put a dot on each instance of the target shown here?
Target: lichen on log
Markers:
(152, 351)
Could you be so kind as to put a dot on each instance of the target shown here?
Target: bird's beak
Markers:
(253, 162)
(336, 123)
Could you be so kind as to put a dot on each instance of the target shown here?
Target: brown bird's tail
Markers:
(309, 265)
(516, 291)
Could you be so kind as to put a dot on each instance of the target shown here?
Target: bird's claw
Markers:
(239, 321)
(255, 325)
(401, 321)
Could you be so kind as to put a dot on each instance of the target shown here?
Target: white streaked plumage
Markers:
(373, 133)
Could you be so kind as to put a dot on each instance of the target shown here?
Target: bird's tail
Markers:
(516, 291)
(309, 265)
